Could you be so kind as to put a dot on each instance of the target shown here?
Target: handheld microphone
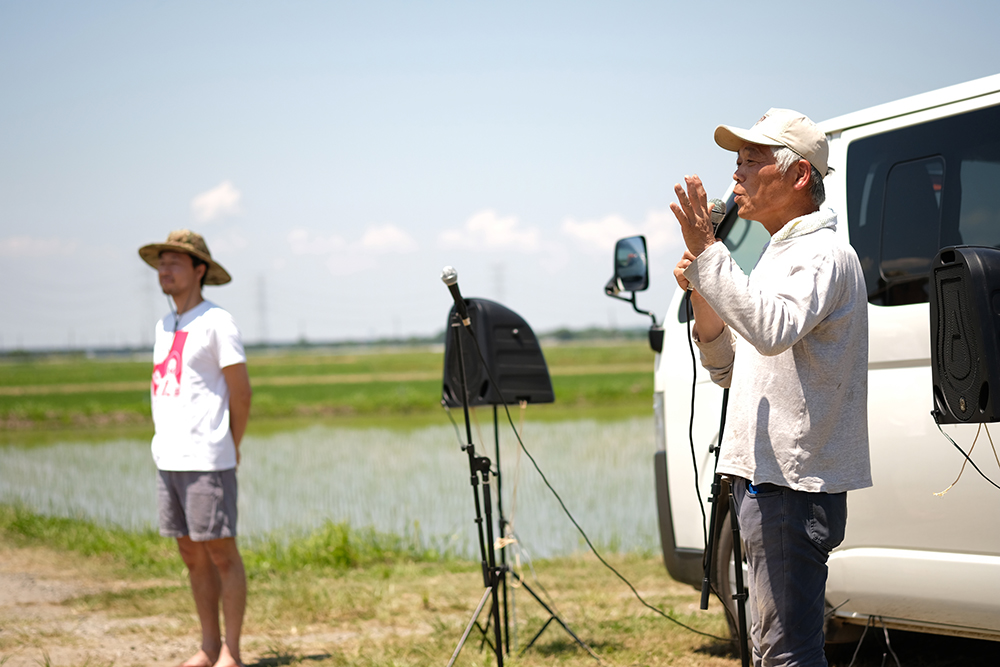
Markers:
(718, 213)
(449, 276)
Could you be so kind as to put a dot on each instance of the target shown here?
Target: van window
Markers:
(911, 223)
(915, 190)
(745, 240)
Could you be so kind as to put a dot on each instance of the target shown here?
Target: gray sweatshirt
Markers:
(795, 354)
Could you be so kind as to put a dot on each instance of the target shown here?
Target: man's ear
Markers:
(803, 175)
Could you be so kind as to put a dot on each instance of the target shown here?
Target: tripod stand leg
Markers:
(475, 617)
(502, 525)
(741, 592)
(485, 629)
(706, 581)
(554, 617)
(537, 635)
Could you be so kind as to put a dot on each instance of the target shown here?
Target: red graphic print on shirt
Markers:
(167, 374)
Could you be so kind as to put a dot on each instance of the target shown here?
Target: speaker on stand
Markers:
(513, 355)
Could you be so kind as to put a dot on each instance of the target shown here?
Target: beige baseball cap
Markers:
(781, 127)
(184, 240)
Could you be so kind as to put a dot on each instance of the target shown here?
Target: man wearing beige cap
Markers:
(200, 397)
(791, 341)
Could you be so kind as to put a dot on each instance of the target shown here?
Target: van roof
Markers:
(907, 105)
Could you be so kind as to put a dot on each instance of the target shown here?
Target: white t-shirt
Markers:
(189, 394)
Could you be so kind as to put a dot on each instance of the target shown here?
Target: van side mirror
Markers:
(632, 275)
(631, 267)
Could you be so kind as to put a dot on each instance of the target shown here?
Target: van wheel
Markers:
(724, 569)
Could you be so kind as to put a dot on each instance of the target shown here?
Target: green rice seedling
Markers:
(72, 391)
(414, 484)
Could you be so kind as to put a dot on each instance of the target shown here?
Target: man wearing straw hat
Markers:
(200, 397)
(796, 440)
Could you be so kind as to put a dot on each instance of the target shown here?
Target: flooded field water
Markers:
(408, 483)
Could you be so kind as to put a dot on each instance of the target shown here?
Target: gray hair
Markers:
(785, 157)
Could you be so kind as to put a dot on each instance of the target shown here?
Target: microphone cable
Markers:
(572, 519)
(689, 315)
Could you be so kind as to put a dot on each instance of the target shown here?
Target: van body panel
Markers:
(969, 92)
(916, 588)
(911, 462)
(899, 336)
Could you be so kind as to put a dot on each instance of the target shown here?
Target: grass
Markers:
(142, 552)
(51, 370)
(339, 596)
(333, 547)
(609, 381)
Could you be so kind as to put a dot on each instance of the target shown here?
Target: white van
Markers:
(909, 177)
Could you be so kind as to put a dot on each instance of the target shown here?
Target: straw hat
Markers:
(184, 240)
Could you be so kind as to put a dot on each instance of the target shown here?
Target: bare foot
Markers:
(199, 659)
(226, 658)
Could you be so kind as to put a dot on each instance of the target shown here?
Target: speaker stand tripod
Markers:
(494, 576)
(479, 467)
(521, 583)
(706, 583)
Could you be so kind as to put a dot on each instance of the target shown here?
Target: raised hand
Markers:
(694, 215)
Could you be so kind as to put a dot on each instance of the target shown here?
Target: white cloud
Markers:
(221, 201)
(388, 238)
(486, 230)
(229, 242)
(599, 235)
(304, 243)
(344, 257)
(27, 246)
(660, 229)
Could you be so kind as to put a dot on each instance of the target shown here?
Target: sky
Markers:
(337, 155)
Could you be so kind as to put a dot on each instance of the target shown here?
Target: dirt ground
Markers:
(37, 628)
(45, 622)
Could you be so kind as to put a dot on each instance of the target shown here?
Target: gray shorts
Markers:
(198, 504)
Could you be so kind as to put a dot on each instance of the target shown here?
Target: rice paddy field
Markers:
(357, 520)
(358, 438)
(413, 483)
(365, 386)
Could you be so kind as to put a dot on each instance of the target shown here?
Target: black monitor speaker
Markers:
(511, 351)
(965, 325)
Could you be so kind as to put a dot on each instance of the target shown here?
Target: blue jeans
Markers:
(788, 536)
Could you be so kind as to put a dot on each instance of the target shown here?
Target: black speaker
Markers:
(512, 353)
(965, 324)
